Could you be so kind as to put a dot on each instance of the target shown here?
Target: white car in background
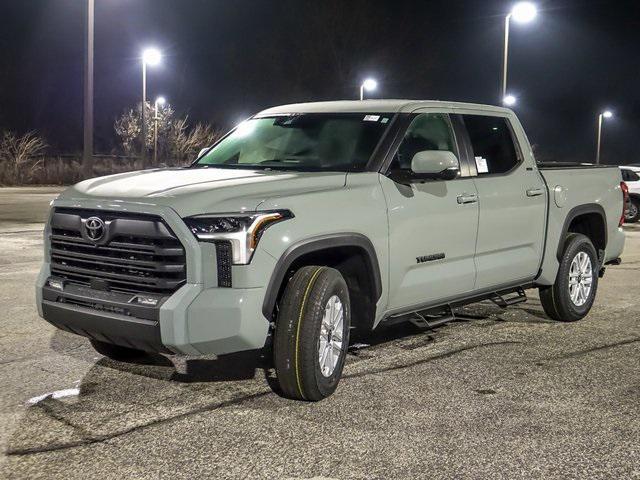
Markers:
(631, 176)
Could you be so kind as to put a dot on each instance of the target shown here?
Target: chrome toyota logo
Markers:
(95, 228)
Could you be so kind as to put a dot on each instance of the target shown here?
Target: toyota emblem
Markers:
(95, 228)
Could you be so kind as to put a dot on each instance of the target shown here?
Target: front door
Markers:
(432, 225)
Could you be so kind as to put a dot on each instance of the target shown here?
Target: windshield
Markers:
(313, 142)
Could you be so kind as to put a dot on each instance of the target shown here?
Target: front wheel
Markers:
(572, 295)
(312, 333)
(632, 211)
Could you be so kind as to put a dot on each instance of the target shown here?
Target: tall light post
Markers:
(152, 57)
(601, 117)
(522, 12)
(369, 85)
(87, 156)
(159, 101)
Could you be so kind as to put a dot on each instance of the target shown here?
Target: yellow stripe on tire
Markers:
(304, 302)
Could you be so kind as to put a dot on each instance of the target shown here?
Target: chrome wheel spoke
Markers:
(331, 336)
(580, 279)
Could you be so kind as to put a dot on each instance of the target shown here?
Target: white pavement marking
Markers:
(69, 392)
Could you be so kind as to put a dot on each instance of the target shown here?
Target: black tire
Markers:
(556, 299)
(297, 336)
(116, 352)
(632, 213)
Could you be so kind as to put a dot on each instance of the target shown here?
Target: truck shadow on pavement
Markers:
(117, 398)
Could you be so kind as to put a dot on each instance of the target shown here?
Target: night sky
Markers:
(226, 59)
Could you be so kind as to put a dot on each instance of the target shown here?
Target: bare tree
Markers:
(177, 142)
(129, 124)
(18, 155)
(186, 143)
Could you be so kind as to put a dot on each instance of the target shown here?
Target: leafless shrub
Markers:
(19, 156)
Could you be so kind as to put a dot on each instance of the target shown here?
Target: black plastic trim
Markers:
(104, 301)
(107, 327)
(576, 212)
(314, 244)
(570, 166)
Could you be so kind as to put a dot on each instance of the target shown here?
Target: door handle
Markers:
(464, 198)
(535, 192)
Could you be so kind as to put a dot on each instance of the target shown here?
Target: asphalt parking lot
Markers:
(497, 394)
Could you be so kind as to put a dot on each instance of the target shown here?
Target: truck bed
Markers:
(578, 188)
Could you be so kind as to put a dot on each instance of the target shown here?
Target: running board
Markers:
(504, 302)
(429, 322)
(425, 320)
(430, 316)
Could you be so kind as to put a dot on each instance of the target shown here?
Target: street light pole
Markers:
(601, 117)
(87, 156)
(505, 63)
(143, 153)
(159, 101)
(152, 57)
(369, 85)
(523, 12)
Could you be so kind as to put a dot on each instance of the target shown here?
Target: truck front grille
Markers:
(136, 253)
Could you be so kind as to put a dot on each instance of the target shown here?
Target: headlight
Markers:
(242, 230)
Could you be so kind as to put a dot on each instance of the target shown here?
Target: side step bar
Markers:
(435, 316)
(504, 302)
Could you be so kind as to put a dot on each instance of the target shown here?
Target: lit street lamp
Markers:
(369, 85)
(159, 101)
(152, 57)
(87, 156)
(509, 100)
(605, 114)
(523, 12)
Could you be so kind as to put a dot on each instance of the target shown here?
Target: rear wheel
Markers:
(572, 295)
(116, 352)
(632, 212)
(312, 334)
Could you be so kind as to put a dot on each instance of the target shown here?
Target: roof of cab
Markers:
(376, 106)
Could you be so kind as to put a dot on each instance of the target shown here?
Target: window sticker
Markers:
(481, 164)
(384, 120)
(371, 118)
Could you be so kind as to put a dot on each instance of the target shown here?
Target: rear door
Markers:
(512, 198)
(433, 224)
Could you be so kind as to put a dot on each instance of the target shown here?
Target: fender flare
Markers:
(314, 244)
(576, 212)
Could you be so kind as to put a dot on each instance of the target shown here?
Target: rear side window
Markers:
(492, 143)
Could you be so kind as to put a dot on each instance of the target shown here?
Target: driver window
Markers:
(428, 131)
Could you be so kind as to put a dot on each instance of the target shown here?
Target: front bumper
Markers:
(198, 319)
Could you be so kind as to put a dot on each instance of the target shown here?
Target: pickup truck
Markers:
(631, 177)
(309, 223)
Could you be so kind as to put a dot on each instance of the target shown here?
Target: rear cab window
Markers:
(493, 145)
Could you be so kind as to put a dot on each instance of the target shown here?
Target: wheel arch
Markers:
(341, 251)
(589, 220)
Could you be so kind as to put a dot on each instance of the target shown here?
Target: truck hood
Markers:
(191, 191)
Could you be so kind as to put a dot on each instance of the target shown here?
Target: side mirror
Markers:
(203, 151)
(435, 164)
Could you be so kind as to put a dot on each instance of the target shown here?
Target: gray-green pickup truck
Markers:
(309, 222)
